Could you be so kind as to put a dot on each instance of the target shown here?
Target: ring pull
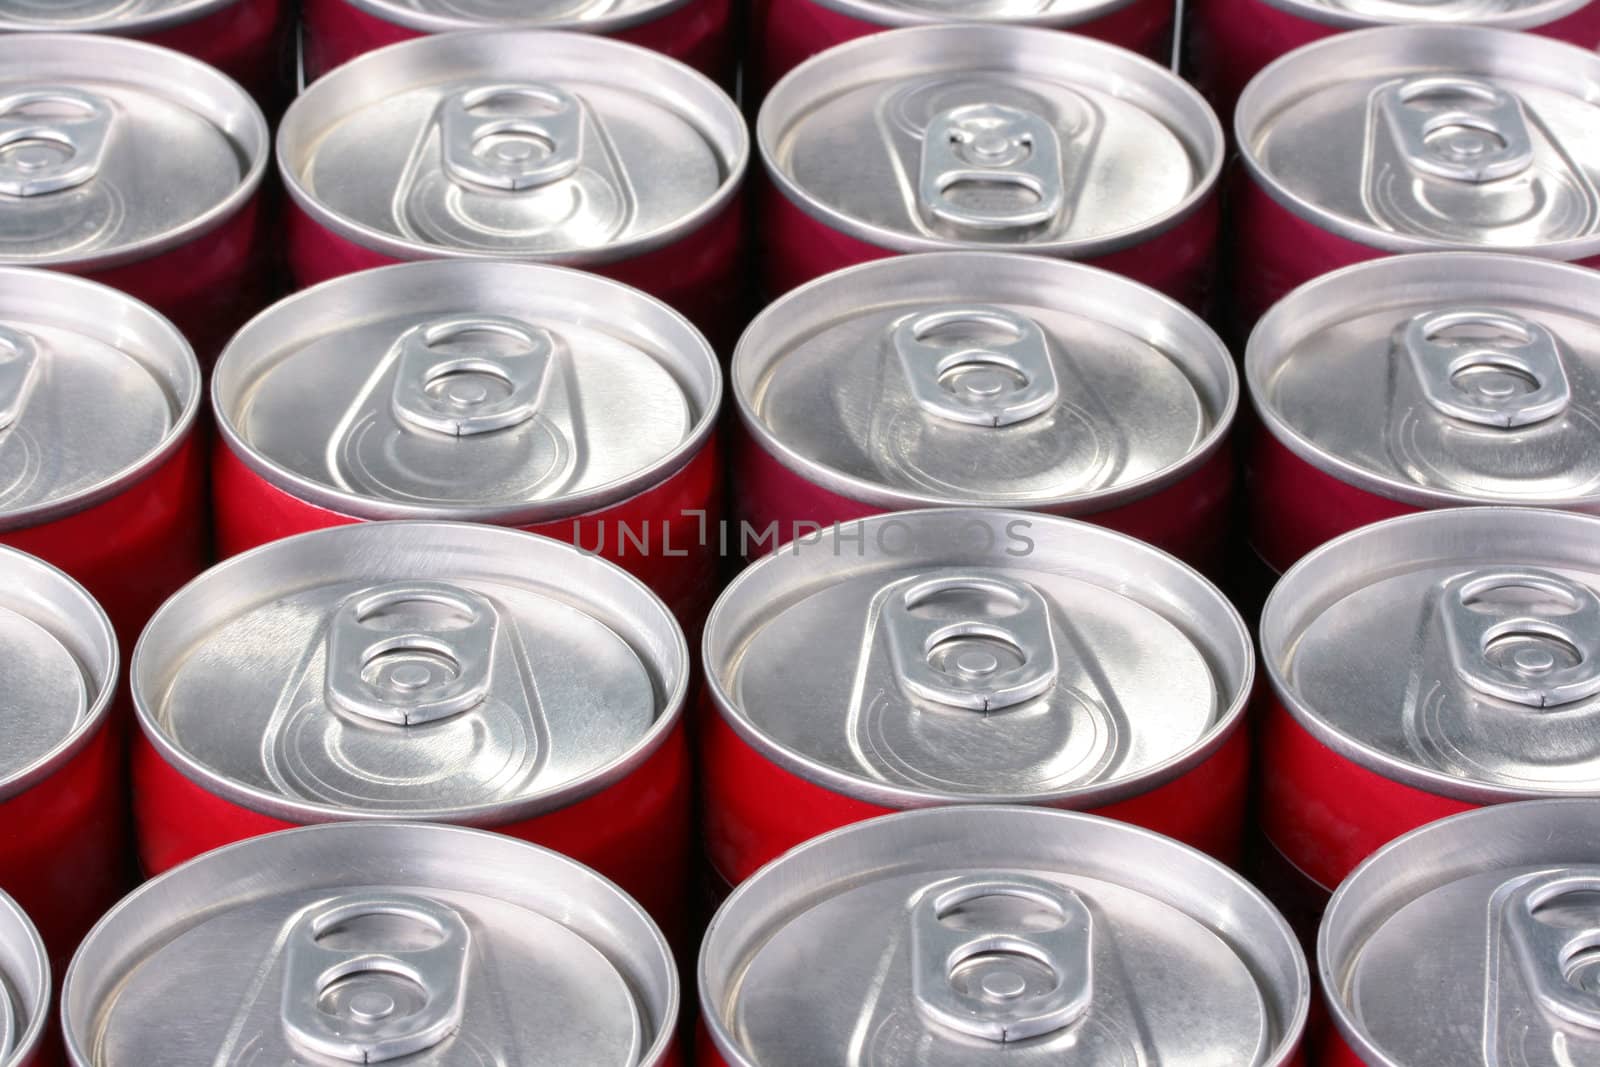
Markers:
(1461, 129)
(51, 138)
(466, 395)
(991, 145)
(511, 137)
(1559, 962)
(984, 383)
(1527, 635)
(1514, 379)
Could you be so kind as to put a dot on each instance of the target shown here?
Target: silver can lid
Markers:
(448, 16)
(1415, 138)
(498, 392)
(958, 655)
(113, 150)
(1471, 942)
(58, 672)
(988, 936)
(1440, 379)
(24, 986)
(1500, 14)
(433, 670)
(1057, 14)
(1456, 650)
(360, 943)
(103, 16)
(521, 144)
(984, 378)
(989, 137)
(96, 391)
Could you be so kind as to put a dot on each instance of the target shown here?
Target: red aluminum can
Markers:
(698, 33)
(964, 656)
(63, 810)
(100, 473)
(505, 393)
(1414, 139)
(989, 138)
(137, 167)
(25, 1000)
(986, 380)
(443, 672)
(401, 943)
(1461, 384)
(999, 937)
(1469, 942)
(1423, 666)
(560, 148)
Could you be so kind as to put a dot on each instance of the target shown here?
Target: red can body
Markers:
(245, 39)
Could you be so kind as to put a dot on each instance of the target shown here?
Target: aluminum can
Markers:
(401, 943)
(1423, 666)
(63, 813)
(137, 167)
(989, 138)
(439, 672)
(1469, 942)
(696, 32)
(1000, 936)
(24, 989)
(100, 473)
(989, 380)
(560, 148)
(505, 393)
(964, 656)
(1414, 139)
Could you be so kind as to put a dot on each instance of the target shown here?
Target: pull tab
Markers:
(986, 383)
(1557, 947)
(371, 1004)
(51, 138)
(465, 395)
(1528, 636)
(521, 136)
(1001, 959)
(1004, 656)
(411, 652)
(1463, 129)
(1516, 379)
(19, 361)
(991, 145)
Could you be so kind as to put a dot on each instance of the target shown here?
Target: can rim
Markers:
(1122, 302)
(436, 22)
(1229, 719)
(542, 276)
(1286, 607)
(818, 77)
(813, 855)
(1526, 18)
(82, 959)
(673, 694)
(177, 14)
(725, 132)
(1330, 293)
(885, 13)
(30, 1039)
(1283, 79)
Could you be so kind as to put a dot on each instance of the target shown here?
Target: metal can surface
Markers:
(24, 989)
(100, 473)
(989, 936)
(401, 943)
(990, 380)
(1469, 942)
(505, 393)
(989, 138)
(137, 167)
(696, 32)
(962, 656)
(438, 672)
(553, 147)
(1423, 666)
(1414, 139)
(63, 813)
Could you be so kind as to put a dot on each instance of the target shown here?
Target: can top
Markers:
(499, 392)
(1471, 942)
(524, 144)
(1456, 650)
(114, 150)
(59, 672)
(1440, 379)
(1415, 138)
(448, 16)
(984, 378)
(1500, 14)
(1056, 14)
(24, 986)
(989, 137)
(957, 655)
(988, 936)
(429, 670)
(103, 16)
(360, 943)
